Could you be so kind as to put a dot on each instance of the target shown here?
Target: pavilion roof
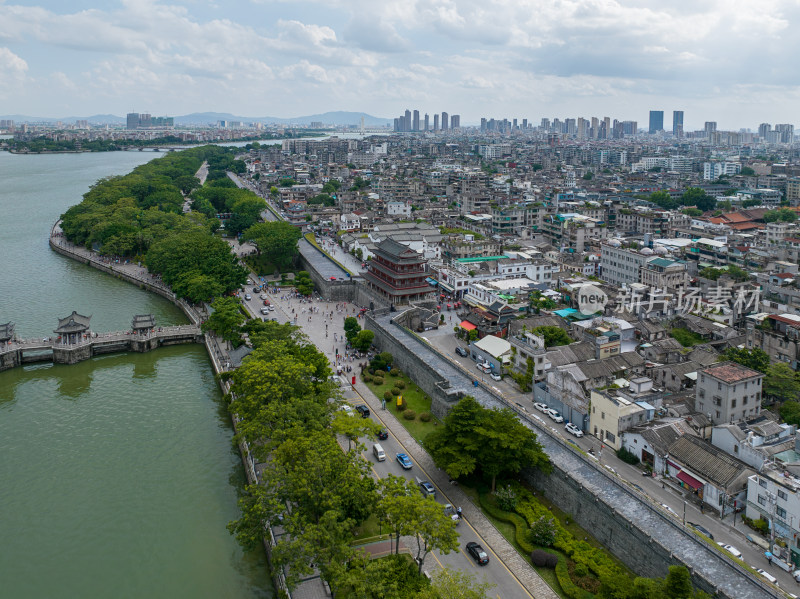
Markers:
(143, 321)
(74, 323)
(6, 331)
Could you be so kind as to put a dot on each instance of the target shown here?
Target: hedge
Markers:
(409, 414)
(520, 526)
(570, 589)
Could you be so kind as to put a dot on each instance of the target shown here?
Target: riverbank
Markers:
(220, 359)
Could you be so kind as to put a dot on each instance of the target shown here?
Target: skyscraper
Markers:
(455, 121)
(436, 122)
(445, 121)
(415, 122)
(710, 128)
(656, 121)
(677, 123)
(133, 120)
(407, 117)
(427, 123)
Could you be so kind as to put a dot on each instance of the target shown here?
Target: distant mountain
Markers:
(338, 118)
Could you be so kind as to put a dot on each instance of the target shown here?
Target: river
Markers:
(117, 474)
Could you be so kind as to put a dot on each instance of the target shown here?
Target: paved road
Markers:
(508, 586)
(668, 494)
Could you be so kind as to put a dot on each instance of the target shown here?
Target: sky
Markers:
(730, 61)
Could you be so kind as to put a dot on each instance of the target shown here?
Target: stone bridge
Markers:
(58, 351)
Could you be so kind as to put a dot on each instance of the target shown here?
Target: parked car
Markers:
(495, 376)
(669, 509)
(256, 289)
(404, 461)
(363, 410)
(427, 489)
(347, 409)
(484, 366)
(542, 407)
(265, 310)
(462, 352)
(573, 430)
(449, 510)
(730, 549)
(263, 296)
(767, 575)
(555, 415)
(383, 434)
(701, 529)
(477, 553)
(248, 297)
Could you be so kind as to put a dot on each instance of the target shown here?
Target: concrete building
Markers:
(728, 392)
(665, 273)
(622, 265)
(612, 414)
(773, 494)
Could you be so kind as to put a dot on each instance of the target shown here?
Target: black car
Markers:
(462, 352)
(478, 554)
(701, 529)
(363, 410)
(383, 434)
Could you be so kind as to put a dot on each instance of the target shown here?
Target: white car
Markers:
(730, 549)
(263, 296)
(347, 410)
(484, 367)
(573, 430)
(264, 310)
(767, 575)
(248, 297)
(542, 407)
(495, 376)
(555, 415)
(669, 509)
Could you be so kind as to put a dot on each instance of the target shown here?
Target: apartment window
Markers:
(718, 414)
(782, 494)
(702, 378)
(745, 385)
(781, 512)
(719, 386)
(762, 500)
(610, 437)
(733, 403)
(701, 393)
(602, 415)
(744, 400)
(762, 482)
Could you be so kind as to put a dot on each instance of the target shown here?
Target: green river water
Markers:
(117, 475)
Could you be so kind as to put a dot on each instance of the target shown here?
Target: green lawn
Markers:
(371, 529)
(416, 400)
(686, 337)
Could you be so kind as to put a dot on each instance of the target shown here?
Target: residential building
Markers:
(665, 274)
(772, 494)
(728, 392)
(612, 414)
(656, 121)
(677, 123)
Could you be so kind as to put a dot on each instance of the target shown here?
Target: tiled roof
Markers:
(711, 463)
(731, 372)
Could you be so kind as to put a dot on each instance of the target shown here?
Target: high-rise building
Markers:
(656, 121)
(427, 122)
(545, 124)
(595, 128)
(445, 121)
(415, 122)
(763, 129)
(455, 121)
(436, 122)
(407, 116)
(677, 123)
(787, 133)
(133, 120)
(710, 128)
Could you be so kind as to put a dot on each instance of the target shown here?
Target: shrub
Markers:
(759, 525)
(627, 456)
(409, 414)
(367, 378)
(543, 531)
(394, 372)
(402, 406)
(395, 391)
(543, 559)
(377, 379)
(581, 570)
(570, 589)
(388, 395)
(400, 384)
(506, 498)
(425, 416)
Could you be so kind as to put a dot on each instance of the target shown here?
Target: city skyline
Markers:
(716, 62)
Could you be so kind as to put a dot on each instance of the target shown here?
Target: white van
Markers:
(378, 452)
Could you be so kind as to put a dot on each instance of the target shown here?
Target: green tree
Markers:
(781, 382)
(455, 584)
(755, 358)
(790, 412)
(353, 428)
(226, 319)
(363, 340)
(552, 335)
(692, 211)
(663, 200)
(277, 241)
(303, 283)
(677, 584)
(784, 215)
(351, 328)
(588, 176)
(543, 532)
(747, 171)
(494, 442)
(695, 196)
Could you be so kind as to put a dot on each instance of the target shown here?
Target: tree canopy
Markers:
(783, 215)
(781, 382)
(552, 335)
(754, 358)
(492, 442)
(276, 240)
